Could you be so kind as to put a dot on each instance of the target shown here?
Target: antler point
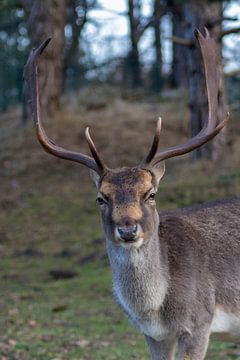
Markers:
(87, 134)
(159, 124)
(197, 32)
(206, 32)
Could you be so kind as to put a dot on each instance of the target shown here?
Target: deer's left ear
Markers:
(158, 170)
(95, 177)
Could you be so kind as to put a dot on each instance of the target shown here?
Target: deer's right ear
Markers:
(159, 170)
(95, 177)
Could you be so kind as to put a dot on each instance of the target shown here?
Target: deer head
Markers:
(127, 195)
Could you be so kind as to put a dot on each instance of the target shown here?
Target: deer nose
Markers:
(128, 233)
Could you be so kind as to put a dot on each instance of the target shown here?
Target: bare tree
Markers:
(133, 56)
(138, 24)
(179, 78)
(47, 19)
(77, 17)
(158, 12)
(200, 14)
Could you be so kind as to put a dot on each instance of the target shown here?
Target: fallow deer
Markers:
(175, 274)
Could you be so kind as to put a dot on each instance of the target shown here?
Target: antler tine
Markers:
(154, 147)
(30, 75)
(209, 131)
(93, 150)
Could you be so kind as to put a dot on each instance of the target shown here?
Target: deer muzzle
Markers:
(127, 233)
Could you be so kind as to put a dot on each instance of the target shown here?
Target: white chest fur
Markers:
(224, 322)
(155, 329)
(140, 293)
(146, 318)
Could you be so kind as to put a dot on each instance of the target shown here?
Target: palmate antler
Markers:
(30, 75)
(209, 55)
(209, 131)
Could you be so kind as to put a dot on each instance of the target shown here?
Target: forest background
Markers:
(116, 66)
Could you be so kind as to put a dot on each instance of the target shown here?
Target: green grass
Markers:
(67, 319)
(44, 318)
(76, 318)
(49, 221)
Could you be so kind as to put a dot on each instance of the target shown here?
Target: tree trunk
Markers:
(198, 14)
(157, 66)
(48, 19)
(133, 56)
(179, 77)
(77, 20)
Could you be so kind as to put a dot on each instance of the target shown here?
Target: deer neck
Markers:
(140, 276)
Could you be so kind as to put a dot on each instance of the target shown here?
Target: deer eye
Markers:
(101, 201)
(151, 197)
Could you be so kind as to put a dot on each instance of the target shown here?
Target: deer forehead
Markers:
(126, 185)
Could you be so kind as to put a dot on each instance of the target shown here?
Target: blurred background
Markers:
(116, 66)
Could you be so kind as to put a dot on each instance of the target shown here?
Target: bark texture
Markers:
(157, 66)
(179, 63)
(77, 21)
(198, 14)
(48, 19)
(134, 9)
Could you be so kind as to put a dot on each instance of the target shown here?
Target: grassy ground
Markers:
(50, 228)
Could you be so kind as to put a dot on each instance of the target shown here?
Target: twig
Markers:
(228, 32)
(179, 40)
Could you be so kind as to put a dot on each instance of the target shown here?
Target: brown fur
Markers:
(125, 189)
(190, 257)
(132, 211)
(170, 280)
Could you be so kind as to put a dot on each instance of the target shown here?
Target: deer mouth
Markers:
(129, 237)
(134, 244)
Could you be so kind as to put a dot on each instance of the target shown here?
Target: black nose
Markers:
(127, 233)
